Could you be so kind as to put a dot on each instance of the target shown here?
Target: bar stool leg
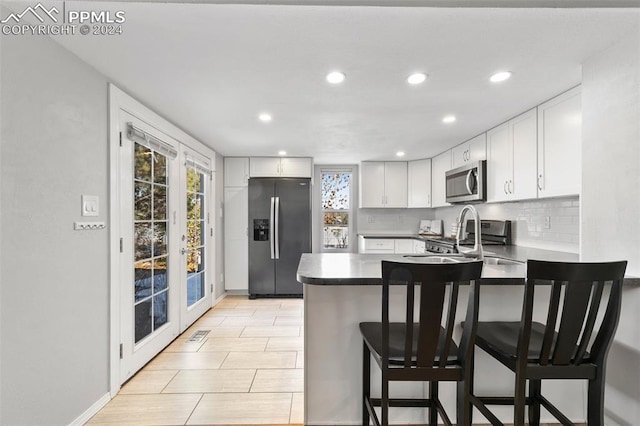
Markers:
(595, 400)
(534, 406)
(464, 408)
(433, 397)
(519, 400)
(366, 382)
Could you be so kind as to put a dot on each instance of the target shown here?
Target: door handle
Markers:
(271, 224)
(277, 230)
(183, 251)
(468, 182)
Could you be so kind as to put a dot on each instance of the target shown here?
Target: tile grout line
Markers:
(194, 409)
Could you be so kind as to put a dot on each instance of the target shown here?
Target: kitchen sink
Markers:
(501, 261)
(456, 258)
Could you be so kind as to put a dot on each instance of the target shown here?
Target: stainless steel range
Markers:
(493, 232)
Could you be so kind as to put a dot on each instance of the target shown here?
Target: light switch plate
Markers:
(90, 205)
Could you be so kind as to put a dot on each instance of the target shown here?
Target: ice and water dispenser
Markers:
(260, 229)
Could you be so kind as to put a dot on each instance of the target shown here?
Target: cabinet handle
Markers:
(510, 187)
(540, 182)
(506, 182)
(428, 199)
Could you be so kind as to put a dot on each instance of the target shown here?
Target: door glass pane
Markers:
(143, 319)
(195, 237)
(150, 236)
(160, 309)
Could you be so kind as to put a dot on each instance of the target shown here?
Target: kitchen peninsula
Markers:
(342, 290)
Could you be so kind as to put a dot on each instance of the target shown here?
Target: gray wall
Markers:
(611, 203)
(55, 300)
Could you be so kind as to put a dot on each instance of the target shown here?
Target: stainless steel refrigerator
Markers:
(279, 232)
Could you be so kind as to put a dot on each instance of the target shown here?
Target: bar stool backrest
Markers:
(575, 300)
(433, 280)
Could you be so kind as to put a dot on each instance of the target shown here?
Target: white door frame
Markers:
(119, 100)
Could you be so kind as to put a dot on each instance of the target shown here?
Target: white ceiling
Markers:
(211, 68)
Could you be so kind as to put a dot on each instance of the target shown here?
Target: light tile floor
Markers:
(248, 370)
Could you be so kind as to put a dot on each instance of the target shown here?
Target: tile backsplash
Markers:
(552, 224)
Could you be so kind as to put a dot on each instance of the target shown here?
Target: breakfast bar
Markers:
(342, 290)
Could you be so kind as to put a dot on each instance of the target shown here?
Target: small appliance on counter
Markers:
(492, 232)
(430, 227)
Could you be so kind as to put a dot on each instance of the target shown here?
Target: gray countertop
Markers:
(364, 269)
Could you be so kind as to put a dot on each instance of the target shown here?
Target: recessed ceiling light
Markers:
(335, 77)
(265, 118)
(449, 119)
(417, 78)
(282, 152)
(400, 154)
(500, 76)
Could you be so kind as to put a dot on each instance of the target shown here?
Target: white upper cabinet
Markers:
(511, 159)
(439, 166)
(383, 184)
(296, 167)
(280, 167)
(236, 171)
(474, 149)
(559, 145)
(419, 183)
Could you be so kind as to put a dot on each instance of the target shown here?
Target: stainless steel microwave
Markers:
(467, 183)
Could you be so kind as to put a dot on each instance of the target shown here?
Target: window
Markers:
(336, 209)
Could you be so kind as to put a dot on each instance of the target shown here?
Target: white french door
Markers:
(149, 268)
(196, 181)
(165, 191)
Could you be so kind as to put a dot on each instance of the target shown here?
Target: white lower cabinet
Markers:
(390, 245)
(559, 145)
(236, 240)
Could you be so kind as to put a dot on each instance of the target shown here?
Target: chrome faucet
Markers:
(477, 245)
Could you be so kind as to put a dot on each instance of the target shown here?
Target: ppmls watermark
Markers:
(40, 20)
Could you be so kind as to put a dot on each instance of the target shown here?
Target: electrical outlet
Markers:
(371, 219)
(547, 222)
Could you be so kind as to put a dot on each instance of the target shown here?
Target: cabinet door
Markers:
(524, 140)
(499, 163)
(439, 166)
(559, 145)
(264, 166)
(236, 171)
(404, 246)
(418, 247)
(236, 252)
(371, 184)
(477, 148)
(459, 155)
(395, 184)
(419, 183)
(380, 246)
(295, 167)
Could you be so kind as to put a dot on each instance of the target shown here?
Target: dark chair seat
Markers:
(500, 339)
(372, 335)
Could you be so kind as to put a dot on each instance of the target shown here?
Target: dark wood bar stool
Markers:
(423, 351)
(567, 346)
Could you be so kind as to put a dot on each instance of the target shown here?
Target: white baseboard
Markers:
(219, 299)
(91, 411)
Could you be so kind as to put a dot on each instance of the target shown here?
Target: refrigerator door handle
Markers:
(277, 231)
(271, 241)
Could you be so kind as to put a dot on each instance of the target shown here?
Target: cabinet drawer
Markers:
(379, 244)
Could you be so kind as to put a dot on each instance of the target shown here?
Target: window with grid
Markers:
(336, 209)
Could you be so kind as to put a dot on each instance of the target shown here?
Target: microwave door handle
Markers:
(468, 182)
